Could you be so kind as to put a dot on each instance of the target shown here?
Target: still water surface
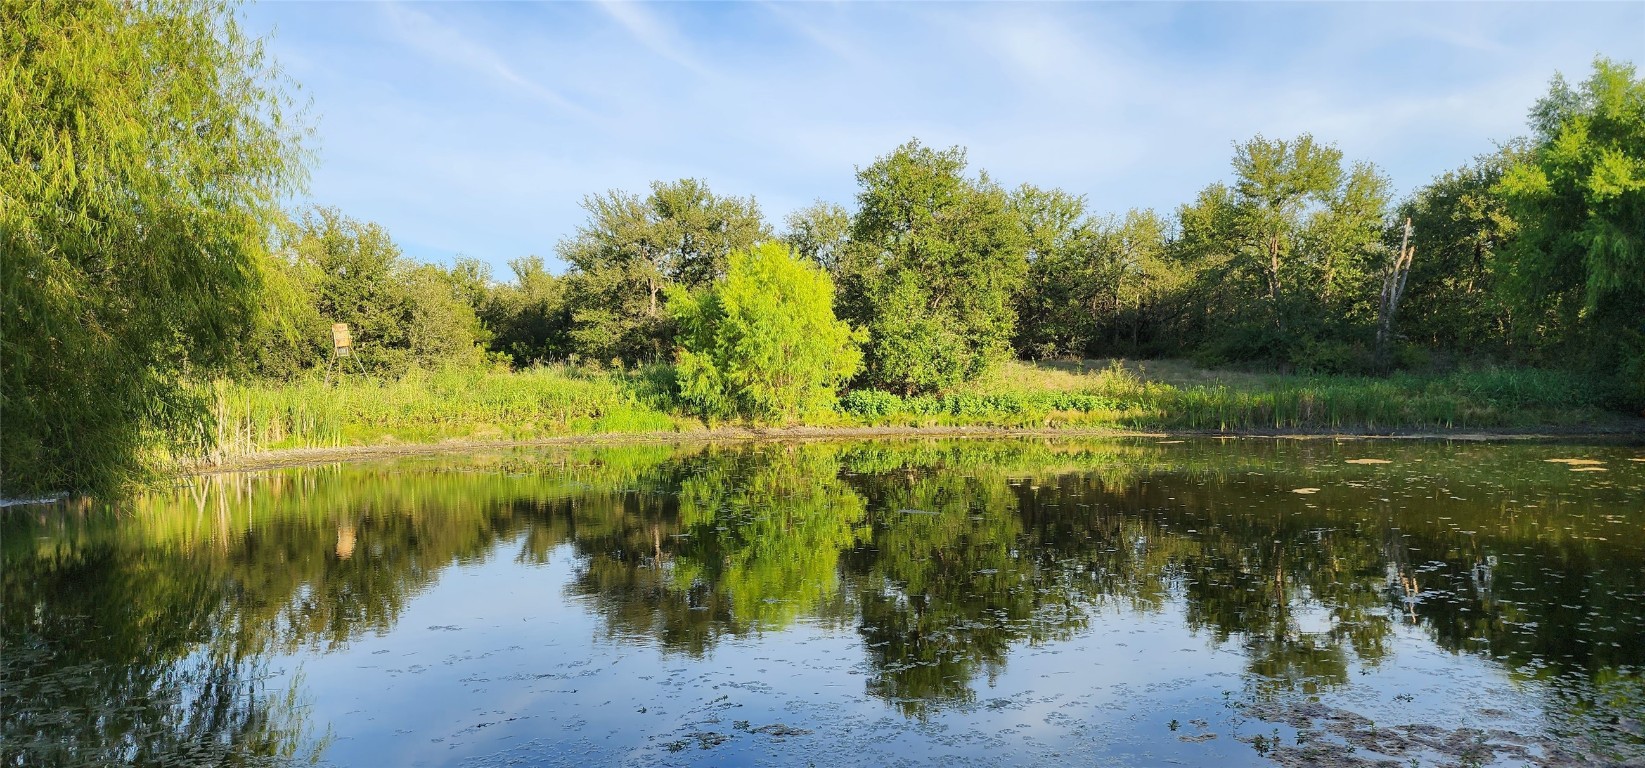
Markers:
(987, 602)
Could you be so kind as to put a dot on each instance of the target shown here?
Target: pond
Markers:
(1137, 601)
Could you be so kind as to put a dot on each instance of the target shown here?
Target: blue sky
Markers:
(477, 128)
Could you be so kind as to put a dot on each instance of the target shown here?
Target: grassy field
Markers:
(1140, 395)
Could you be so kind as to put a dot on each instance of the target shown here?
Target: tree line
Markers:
(1531, 254)
(147, 147)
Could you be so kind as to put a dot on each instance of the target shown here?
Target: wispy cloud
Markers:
(479, 127)
(446, 42)
(651, 32)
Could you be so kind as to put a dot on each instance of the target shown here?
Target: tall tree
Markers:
(144, 147)
(935, 261)
(819, 233)
(1580, 202)
(528, 317)
(1054, 305)
(1459, 227)
(400, 313)
(632, 249)
(1298, 230)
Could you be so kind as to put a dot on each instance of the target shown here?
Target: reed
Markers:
(1125, 395)
(430, 407)
(549, 401)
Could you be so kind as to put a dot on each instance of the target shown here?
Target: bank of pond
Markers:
(1046, 601)
(258, 417)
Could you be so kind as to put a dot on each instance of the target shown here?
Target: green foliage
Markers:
(143, 150)
(1289, 255)
(428, 407)
(768, 526)
(934, 262)
(400, 313)
(763, 341)
(1095, 285)
(633, 249)
(1460, 227)
(529, 317)
(819, 233)
(1579, 198)
(1004, 408)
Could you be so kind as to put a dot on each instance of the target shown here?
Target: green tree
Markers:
(763, 341)
(1094, 286)
(935, 261)
(819, 233)
(633, 249)
(400, 313)
(294, 337)
(1459, 227)
(528, 317)
(1300, 235)
(1580, 201)
(1054, 304)
(144, 147)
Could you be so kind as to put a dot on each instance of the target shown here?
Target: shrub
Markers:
(763, 341)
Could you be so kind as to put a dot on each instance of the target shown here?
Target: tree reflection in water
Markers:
(141, 635)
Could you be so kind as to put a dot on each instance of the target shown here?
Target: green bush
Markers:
(763, 341)
(870, 403)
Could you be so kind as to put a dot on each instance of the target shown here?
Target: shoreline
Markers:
(293, 457)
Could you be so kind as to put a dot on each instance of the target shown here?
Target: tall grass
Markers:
(1123, 395)
(490, 405)
(425, 407)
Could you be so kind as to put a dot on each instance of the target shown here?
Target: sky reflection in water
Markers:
(998, 601)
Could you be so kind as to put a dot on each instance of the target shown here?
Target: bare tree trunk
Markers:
(1273, 280)
(1393, 289)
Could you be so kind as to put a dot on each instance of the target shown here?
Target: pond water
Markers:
(913, 602)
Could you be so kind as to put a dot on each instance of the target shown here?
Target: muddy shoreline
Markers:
(1623, 431)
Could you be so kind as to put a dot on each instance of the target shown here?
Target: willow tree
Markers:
(1579, 197)
(143, 149)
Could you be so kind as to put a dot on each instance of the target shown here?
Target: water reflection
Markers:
(143, 634)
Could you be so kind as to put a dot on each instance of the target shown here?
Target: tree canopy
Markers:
(1579, 199)
(633, 249)
(934, 262)
(144, 148)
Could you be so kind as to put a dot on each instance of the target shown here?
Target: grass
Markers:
(1173, 394)
(552, 401)
(426, 407)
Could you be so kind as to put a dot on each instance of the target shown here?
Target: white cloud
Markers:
(479, 127)
(651, 32)
(446, 42)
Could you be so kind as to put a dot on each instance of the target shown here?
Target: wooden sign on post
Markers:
(341, 342)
